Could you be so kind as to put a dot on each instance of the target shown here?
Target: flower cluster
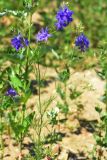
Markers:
(11, 92)
(19, 42)
(82, 42)
(64, 17)
(43, 35)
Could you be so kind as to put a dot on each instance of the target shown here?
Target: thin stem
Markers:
(39, 100)
(20, 147)
(26, 77)
(106, 107)
(21, 137)
(65, 99)
(28, 48)
(65, 88)
(2, 146)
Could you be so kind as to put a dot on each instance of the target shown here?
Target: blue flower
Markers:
(11, 92)
(19, 42)
(64, 17)
(43, 35)
(82, 42)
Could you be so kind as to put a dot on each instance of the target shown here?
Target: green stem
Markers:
(20, 147)
(22, 136)
(106, 108)
(2, 146)
(65, 99)
(26, 76)
(39, 99)
(28, 48)
(65, 88)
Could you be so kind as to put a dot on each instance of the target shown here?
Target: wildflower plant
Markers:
(25, 58)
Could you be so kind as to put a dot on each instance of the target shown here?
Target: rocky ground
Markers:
(77, 140)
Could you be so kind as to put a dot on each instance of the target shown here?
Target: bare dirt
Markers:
(78, 133)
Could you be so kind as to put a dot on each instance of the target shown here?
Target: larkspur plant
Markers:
(15, 98)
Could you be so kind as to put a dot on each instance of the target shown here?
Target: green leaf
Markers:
(12, 12)
(1, 85)
(55, 54)
(64, 75)
(15, 81)
(63, 107)
(27, 122)
(60, 92)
